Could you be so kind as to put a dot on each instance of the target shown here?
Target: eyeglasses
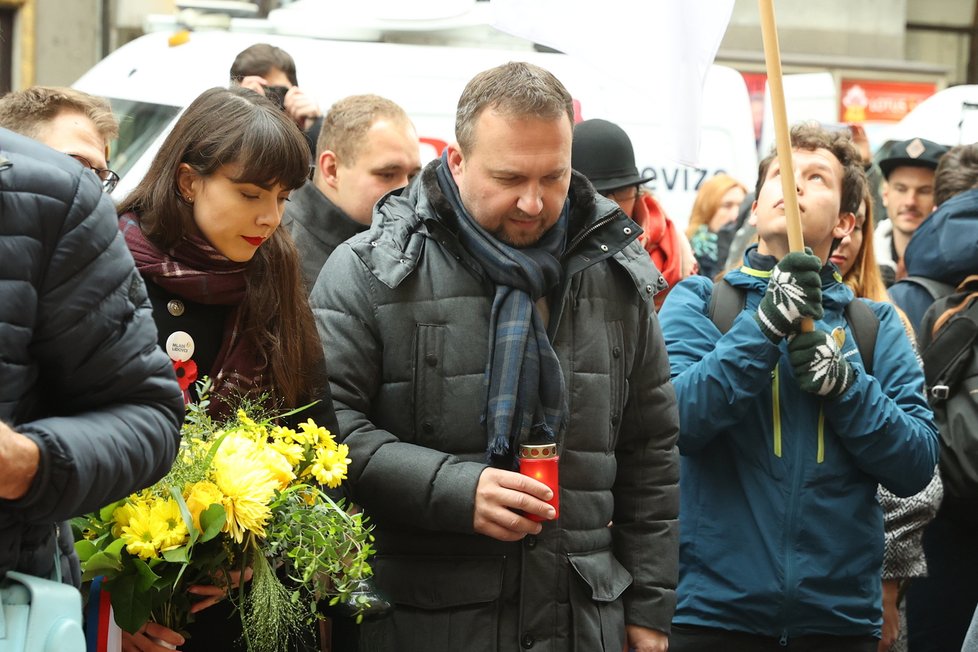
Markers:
(622, 195)
(108, 177)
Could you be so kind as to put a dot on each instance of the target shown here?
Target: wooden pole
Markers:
(772, 58)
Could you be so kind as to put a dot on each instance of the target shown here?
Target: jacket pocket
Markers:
(598, 611)
(429, 348)
(441, 603)
(616, 380)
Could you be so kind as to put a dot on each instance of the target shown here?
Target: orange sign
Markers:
(865, 100)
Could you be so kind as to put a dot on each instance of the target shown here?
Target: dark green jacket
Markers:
(404, 314)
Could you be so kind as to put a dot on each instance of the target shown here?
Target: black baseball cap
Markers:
(916, 152)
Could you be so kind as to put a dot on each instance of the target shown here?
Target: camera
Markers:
(276, 94)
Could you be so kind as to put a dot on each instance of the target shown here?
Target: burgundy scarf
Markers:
(196, 271)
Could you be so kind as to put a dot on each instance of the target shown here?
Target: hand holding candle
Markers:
(539, 461)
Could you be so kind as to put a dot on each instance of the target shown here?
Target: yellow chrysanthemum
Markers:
(143, 533)
(121, 515)
(245, 420)
(277, 464)
(175, 530)
(199, 496)
(281, 433)
(248, 485)
(291, 451)
(317, 435)
(329, 468)
(247, 492)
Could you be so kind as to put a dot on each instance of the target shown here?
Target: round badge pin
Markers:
(180, 346)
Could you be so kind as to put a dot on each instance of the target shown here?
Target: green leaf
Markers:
(177, 555)
(132, 606)
(102, 561)
(85, 549)
(105, 514)
(185, 513)
(212, 520)
(146, 577)
(114, 549)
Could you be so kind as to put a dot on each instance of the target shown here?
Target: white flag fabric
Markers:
(663, 48)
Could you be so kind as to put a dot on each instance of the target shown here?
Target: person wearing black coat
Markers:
(227, 292)
(89, 408)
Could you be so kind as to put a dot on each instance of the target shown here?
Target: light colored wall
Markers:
(947, 48)
(855, 28)
(67, 40)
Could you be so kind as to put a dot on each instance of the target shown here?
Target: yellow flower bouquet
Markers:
(242, 494)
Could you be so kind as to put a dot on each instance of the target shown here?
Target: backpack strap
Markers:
(726, 302)
(935, 289)
(865, 326)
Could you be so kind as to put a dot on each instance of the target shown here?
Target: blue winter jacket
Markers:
(781, 533)
(943, 248)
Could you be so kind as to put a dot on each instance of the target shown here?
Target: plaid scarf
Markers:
(196, 271)
(526, 400)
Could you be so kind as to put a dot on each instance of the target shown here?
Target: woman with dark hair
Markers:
(224, 280)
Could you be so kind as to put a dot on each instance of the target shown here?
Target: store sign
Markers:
(865, 100)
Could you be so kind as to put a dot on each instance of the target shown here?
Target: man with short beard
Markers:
(908, 194)
(498, 302)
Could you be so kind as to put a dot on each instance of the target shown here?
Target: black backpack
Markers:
(951, 372)
(728, 301)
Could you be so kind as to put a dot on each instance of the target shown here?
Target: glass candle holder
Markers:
(539, 461)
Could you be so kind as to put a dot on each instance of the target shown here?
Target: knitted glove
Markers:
(819, 365)
(793, 293)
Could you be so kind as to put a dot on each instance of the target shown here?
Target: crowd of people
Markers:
(748, 458)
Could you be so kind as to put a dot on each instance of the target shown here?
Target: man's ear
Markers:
(455, 160)
(845, 225)
(328, 165)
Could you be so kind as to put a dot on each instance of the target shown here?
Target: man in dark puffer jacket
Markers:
(446, 359)
(89, 408)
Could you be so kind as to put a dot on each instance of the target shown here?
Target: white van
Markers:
(948, 117)
(148, 82)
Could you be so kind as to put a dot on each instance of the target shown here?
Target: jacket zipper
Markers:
(588, 231)
(820, 457)
(776, 404)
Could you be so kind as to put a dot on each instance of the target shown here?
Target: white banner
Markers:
(662, 48)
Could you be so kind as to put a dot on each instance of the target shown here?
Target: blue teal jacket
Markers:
(943, 249)
(781, 533)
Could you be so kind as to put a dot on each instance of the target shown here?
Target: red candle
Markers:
(539, 461)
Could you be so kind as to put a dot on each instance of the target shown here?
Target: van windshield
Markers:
(140, 123)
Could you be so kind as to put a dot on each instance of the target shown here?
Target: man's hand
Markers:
(891, 615)
(214, 593)
(19, 457)
(642, 639)
(301, 107)
(254, 83)
(497, 497)
(819, 365)
(793, 293)
(149, 637)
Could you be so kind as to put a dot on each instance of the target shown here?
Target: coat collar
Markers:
(406, 219)
(756, 271)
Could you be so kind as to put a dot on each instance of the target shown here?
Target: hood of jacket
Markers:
(756, 271)
(943, 247)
